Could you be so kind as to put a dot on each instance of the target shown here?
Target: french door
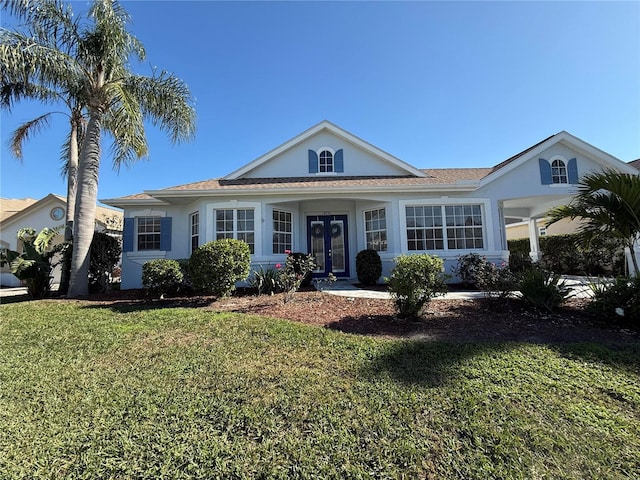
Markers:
(327, 242)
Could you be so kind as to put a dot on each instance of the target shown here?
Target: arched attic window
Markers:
(326, 161)
(559, 172)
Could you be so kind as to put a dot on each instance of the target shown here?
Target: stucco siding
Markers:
(294, 162)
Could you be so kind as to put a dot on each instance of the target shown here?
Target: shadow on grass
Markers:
(128, 306)
(437, 363)
(14, 299)
(430, 364)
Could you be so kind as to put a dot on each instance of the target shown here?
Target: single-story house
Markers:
(50, 211)
(329, 193)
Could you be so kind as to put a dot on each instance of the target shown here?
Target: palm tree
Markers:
(608, 203)
(117, 101)
(54, 25)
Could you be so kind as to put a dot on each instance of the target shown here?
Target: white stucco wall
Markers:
(353, 205)
(295, 162)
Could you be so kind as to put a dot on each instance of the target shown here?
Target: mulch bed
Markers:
(477, 320)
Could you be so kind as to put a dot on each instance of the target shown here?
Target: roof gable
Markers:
(598, 156)
(316, 137)
(11, 206)
(30, 206)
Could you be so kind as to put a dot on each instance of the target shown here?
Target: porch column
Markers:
(533, 240)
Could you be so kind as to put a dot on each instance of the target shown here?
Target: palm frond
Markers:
(166, 102)
(12, 92)
(25, 60)
(25, 131)
(125, 122)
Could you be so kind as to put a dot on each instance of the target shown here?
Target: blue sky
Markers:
(457, 84)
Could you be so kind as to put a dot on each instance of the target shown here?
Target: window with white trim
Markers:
(461, 230)
(236, 223)
(559, 172)
(282, 231)
(326, 161)
(375, 228)
(464, 227)
(424, 228)
(148, 233)
(194, 222)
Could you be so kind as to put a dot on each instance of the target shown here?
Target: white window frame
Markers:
(559, 176)
(279, 232)
(485, 212)
(194, 216)
(236, 205)
(373, 231)
(142, 256)
(139, 235)
(332, 165)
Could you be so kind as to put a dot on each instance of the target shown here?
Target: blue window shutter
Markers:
(338, 162)
(313, 162)
(545, 172)
(127, 235)
(572, 171)
(165, 233)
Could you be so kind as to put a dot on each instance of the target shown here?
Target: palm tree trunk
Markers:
(634, 260)
(85, 208)
(72, 183)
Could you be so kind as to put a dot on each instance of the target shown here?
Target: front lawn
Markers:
(93, 391)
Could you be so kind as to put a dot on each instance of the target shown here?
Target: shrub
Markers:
(619, 300)
(297, 268)
(467, 268)
(105, 255)
(34, 264)
(543, 289)
(368, 267)
(266, 282)
(215, 267)
(414, 281)
(565, 254)
(302, 264)
(519, 262)
(495, 281)
(162, 276)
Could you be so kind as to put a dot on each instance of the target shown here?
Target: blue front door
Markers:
(327, 242)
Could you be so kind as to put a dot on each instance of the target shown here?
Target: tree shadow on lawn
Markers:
(129, 306)
(437, 363)
(437, 344)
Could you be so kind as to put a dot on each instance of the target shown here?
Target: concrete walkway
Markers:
(12, 291)
(579, 289)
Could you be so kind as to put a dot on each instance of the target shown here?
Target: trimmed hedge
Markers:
(368, 267)
(564, 254)
(215, 267)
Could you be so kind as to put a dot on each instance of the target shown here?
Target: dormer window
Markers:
(326, 161)
(559, 172)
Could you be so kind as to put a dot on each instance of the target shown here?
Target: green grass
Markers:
(90, 392)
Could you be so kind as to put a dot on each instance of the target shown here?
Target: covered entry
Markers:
(327, 241)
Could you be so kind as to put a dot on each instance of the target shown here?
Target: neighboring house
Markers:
(332, 194)
(521, 229)
(49, 211)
